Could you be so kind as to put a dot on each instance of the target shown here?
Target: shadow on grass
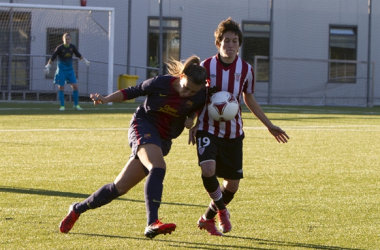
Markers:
(76, 195)
(273, 244)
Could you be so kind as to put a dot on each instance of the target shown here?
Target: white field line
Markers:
(354, 128)
(63, 129)
(315, 128)
(7, 109)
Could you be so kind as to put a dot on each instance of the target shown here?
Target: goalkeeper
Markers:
(65, 71)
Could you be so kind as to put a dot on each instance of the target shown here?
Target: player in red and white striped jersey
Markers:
(220, 144)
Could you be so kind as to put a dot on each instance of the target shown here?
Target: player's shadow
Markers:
(264, 244)
(45, 192)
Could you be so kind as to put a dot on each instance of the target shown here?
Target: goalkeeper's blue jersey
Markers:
(65, 56)
(164, 107)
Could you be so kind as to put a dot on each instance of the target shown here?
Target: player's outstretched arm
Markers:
(114, 97)
(255, 108)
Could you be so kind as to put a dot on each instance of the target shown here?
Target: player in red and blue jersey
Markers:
(171, 105)
(220, 144)
(65, 71)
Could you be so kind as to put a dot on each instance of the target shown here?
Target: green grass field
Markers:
(319, 191)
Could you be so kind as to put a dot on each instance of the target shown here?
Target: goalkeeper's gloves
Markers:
(47, 68)
(86, 61)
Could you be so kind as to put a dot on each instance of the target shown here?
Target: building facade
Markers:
(311, 52)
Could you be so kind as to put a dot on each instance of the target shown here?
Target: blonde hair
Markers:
(190, 68)
(65, 35)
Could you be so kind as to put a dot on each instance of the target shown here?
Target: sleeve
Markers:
(142, 89)
(76, 52)
(55, 53)
(249, 82)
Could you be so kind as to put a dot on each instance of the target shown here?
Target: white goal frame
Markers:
(111, 29)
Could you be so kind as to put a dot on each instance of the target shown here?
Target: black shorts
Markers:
(141, 132)
(227, 154)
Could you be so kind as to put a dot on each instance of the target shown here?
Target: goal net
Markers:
(30, 33)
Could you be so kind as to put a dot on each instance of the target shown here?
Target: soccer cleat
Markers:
(209, 226)
(157, 228)
(77, 107)
(62, 108)
(68, 222)
(224, 221)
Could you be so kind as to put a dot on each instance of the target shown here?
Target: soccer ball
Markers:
(223, 106)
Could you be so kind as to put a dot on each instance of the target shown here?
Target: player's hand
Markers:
(86, 61)
(98, 99)
(47, 68)
(189, 123)
(192, 133)
(279, 134)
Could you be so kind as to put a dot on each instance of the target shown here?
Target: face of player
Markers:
(229, 47)
(66, 40)
(187, 88)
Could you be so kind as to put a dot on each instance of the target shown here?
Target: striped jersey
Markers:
(237, 78)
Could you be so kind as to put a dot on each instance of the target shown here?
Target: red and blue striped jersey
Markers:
(164, 107)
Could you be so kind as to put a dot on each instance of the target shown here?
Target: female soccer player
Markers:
(65, 71)
(220, 144)
(171, 104)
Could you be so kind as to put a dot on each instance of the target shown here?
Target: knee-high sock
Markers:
(212, 209)
(75, 97)
(101, 197)
(61, 97)
(212, 187)
(153, 193)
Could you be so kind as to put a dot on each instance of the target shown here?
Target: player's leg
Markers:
(70, 77)
(229, 188)
(74, 86)
(207, 146)
(152, 157)
(148, 146)
(229, 166)
(59, 79)
(61, 97)
(132, 173)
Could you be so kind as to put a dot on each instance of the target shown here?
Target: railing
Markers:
(25, 78)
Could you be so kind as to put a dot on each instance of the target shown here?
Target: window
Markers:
(256, 37)
(54, 38)
(15, 70)
(343, 46)
(171, 28)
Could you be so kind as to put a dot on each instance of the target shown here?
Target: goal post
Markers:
(31, 32)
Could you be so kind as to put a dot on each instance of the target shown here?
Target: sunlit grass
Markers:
(319, 191)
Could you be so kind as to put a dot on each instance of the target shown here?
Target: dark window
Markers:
(256, 37)
(171, 29)
(15, 69)
(343, 46)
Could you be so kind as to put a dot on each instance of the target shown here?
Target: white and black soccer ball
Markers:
(223, 106)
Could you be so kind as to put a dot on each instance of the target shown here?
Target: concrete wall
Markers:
(301, 31)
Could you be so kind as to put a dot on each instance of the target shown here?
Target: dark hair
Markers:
(227, 25)
(190, 68)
